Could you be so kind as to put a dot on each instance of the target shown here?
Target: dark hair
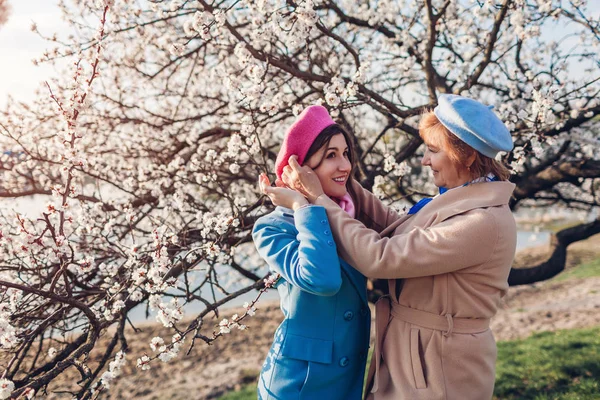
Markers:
(323, 140)
(432, 130)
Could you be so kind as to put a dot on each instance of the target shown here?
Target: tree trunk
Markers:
(556, 263)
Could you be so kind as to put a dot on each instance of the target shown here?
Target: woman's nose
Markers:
(345, 165)
(425, 160)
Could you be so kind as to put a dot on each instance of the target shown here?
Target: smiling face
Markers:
(446, 155)
(332, 165)
(446, 173)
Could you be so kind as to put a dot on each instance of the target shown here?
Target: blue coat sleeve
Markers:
(308, 259)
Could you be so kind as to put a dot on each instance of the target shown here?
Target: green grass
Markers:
(246, 393)
(586, 270)
(550, 365)
(562, 365)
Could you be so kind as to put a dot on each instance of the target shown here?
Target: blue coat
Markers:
(320, 349)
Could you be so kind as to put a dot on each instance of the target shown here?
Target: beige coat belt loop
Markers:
(386, 308)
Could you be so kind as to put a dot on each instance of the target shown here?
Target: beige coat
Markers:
(454, 257)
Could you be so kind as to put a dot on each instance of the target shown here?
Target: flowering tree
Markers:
(147, 154)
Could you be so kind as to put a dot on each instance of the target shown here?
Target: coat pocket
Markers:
(307, 349)
(305, 389)
(285, 380)
(415, 358)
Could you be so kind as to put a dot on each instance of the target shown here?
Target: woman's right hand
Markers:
(281, 196)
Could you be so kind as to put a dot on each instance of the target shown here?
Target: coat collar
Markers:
(458, 201)
(478, 195)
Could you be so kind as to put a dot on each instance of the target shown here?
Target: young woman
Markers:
(453, 254)
(320, 348)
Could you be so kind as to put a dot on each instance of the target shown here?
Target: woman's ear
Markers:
(470, 160)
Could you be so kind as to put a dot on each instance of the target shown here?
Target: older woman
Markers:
(453, 254)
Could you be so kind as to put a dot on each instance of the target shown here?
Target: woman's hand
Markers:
(302, 179)
(281, 196)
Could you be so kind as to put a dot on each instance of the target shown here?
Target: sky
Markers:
(19, 45)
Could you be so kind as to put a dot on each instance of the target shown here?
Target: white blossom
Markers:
(156, 343)
(6, 388)
(224, 326)
(144, 363)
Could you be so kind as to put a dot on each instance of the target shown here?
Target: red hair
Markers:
(433, 132)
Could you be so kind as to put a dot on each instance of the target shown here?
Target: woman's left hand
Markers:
(302, 179)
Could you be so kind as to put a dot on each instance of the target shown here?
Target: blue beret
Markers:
(473, 123)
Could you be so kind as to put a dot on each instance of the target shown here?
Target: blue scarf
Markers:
(423, 202)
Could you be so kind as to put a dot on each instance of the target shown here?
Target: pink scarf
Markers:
(346, 204)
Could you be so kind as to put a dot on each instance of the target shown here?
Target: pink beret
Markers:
(301, 135)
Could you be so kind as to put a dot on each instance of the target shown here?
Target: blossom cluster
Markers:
(398, 169)
(226, 325)
(114, 370)
(8, 333)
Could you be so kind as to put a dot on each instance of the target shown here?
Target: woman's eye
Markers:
(346, 154)
(331, 155)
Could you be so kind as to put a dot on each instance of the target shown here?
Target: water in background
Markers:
(527, 239)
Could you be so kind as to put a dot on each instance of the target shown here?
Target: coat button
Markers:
(348, 315)
(327, 232)
(329, 242)
(344, 361)
(323, 221)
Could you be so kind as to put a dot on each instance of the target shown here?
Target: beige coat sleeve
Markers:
(371, 211)
(459, 242)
